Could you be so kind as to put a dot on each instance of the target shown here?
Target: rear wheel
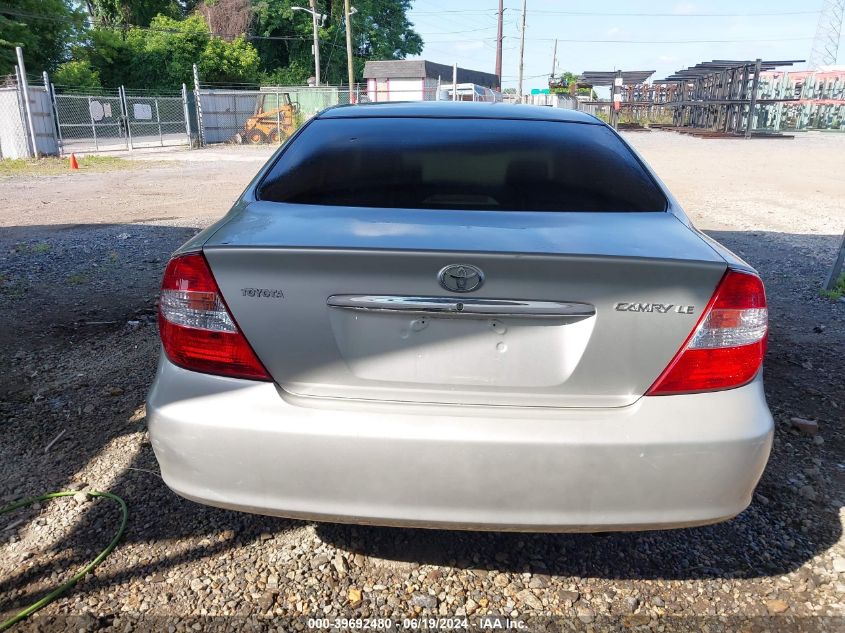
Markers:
(256, 136)
(274, 136)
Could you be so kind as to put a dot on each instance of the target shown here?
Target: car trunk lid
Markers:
(576, 309)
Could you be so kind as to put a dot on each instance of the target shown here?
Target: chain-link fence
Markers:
(266, 115)
(90, 122)
(77, 121)
(246, 116)
(271, 114)
(109, 120)
(25, 131)
(156, 121)
(13, 131)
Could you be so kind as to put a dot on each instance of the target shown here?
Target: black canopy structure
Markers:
(606, 78)
(704, 69)
(723, 94)
(720, 97)
(615, 79)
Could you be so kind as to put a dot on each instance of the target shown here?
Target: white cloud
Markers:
(614, 30)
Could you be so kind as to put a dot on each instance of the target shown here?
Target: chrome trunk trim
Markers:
(463, 307)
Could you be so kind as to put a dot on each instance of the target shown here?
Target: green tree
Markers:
(165, 54)
(76, 73)
(567, 80)
(380, 28)
(111, 54)
(162, 56)
(228, 62)
(45, 29)
(132, 12)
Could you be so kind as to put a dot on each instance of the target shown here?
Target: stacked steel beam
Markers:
(621, 84)
(722, 97)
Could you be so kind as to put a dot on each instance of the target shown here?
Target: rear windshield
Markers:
(437, 163)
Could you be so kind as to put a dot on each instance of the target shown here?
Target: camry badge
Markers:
(661, 308)
(461, 277)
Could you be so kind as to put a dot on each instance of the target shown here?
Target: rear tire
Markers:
(256, 137)
(274, 136)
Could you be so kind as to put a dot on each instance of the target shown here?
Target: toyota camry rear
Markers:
(466, 316)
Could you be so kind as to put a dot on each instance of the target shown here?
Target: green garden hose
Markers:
(58, 591)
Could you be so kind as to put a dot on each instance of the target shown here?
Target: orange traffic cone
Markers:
(73, 163)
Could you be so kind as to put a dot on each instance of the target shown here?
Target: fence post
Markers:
(187, 115)
(198, 103)
(124, 108)
(55, 103)
(158, 120)
(53, 118)
(27, 150)
(278, 116)
(93, 126)
(25, 88)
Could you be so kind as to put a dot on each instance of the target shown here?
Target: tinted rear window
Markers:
(434, 163)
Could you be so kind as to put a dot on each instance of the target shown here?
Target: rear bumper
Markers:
(666, 461)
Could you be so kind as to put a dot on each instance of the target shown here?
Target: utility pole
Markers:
(499, 43)
(348, 15)
(522, 50)
(314, 14)
(554, 61)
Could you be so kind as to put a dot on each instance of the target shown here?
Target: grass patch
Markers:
(838, 289)
(39, 248)
(11, 288)
(53, 166)
(77, 279)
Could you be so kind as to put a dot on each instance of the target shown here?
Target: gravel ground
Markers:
(80, 259)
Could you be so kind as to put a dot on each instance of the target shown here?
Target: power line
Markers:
(672, 15)
(476, 11)
(624, 14)
(580, 41)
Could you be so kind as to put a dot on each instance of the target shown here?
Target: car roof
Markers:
(457, 110)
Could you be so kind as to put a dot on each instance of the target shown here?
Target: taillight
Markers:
(197, 330)
(727, 346)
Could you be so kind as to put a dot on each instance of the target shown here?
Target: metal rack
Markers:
(630, 82)
(722, 96)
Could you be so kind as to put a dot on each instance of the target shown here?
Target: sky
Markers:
(464, 31)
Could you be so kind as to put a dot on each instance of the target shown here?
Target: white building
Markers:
(417, 79)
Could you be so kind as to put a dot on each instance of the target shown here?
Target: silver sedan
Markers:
(461, 315)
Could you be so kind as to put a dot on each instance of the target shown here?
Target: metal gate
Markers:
(110, 122)
(89, 123)
(156, 121)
